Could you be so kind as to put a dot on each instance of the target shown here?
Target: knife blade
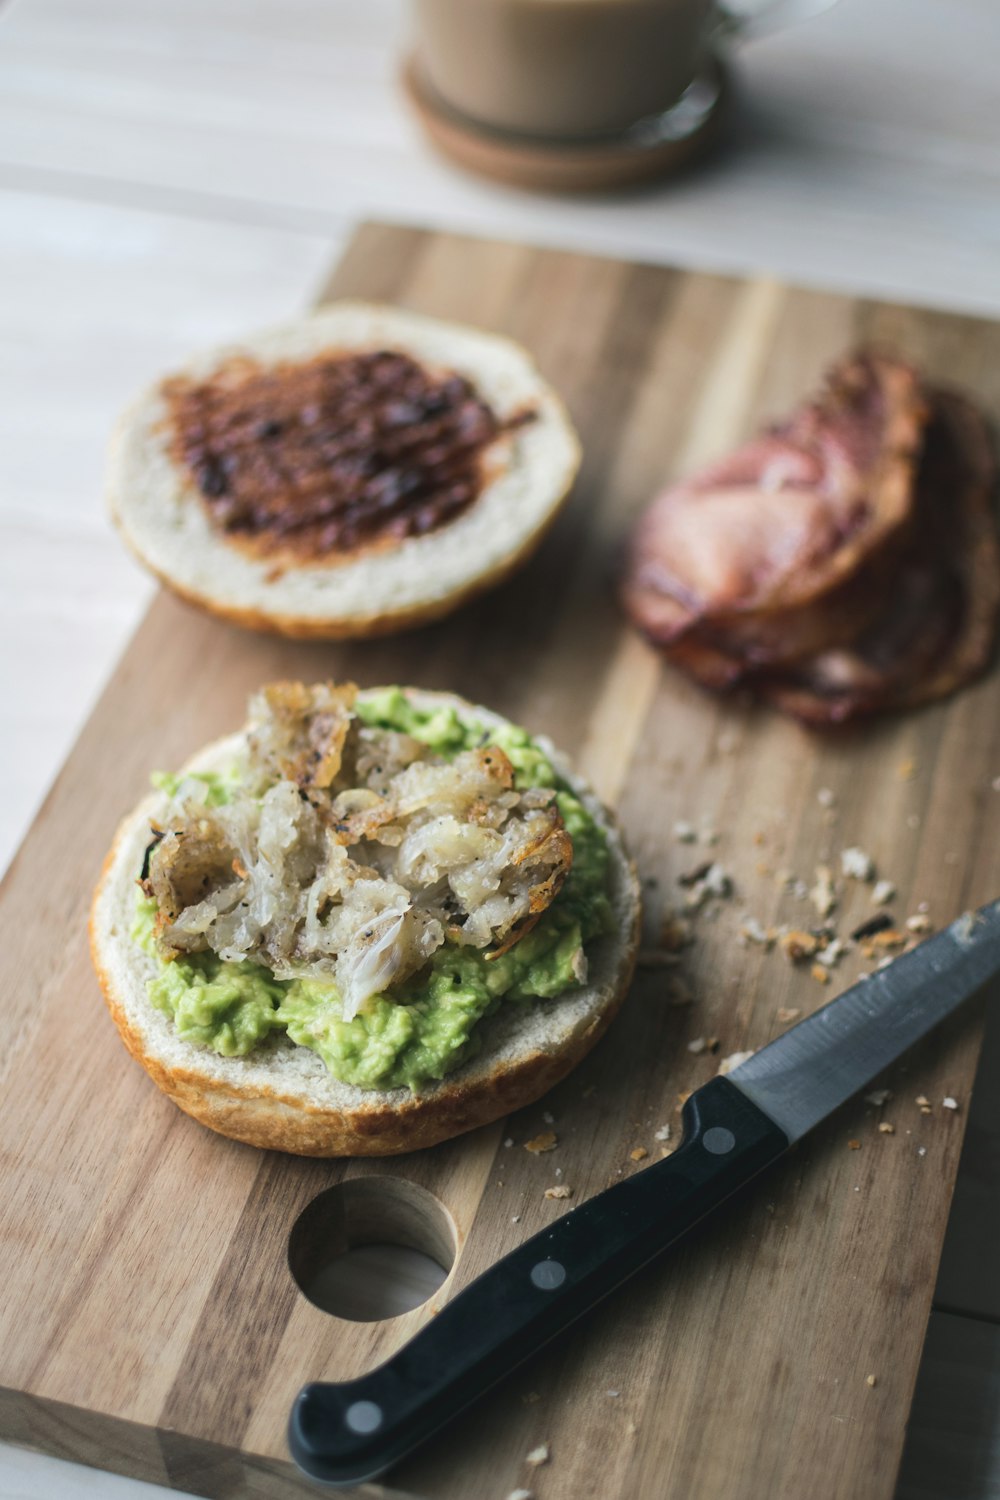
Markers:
(733, 1127)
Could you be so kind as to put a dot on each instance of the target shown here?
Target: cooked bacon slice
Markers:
(939, 623)
(789, 516)
(895, 599)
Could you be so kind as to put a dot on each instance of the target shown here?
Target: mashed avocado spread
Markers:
(422, 1029)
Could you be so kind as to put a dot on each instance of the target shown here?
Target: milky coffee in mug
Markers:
(562, 68)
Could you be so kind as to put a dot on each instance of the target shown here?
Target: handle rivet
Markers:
(363, 1416)
(548, 1274)
(718, 1140)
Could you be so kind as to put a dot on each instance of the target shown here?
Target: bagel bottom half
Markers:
(282, 1097)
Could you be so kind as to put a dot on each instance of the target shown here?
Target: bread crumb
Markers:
(871, 925)
(755, 932)
(698, 1045)
(787, 1014)
(885, 1128)
(854, 1145)
(889, 939)
(705, 881)
(919, 922)
(878, 1097)
(819, 973)
(515, 1218)
(538, 1456)
(797, 945)
(856, 864)
(663, 1134)
(921, 1150)
(923, 1101)
(547, 1141)
(871, 1380)
(613, 1394)
(639, 1154)
(882, 893)
(675, 931)
(559, 1192)
(734, 1060)
(631, 1428)
(685, 833)
(949, 1103)
(508, 1143)
(823, 896)
(831, 955)
(521, 1495)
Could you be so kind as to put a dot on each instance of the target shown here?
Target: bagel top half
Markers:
(356, 472)
(365, 923)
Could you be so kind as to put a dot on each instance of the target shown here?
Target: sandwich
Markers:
(355, 473)
(365, 923)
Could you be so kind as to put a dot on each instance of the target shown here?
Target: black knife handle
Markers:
(346, 1434)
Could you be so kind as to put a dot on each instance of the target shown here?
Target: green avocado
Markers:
(424, 1028)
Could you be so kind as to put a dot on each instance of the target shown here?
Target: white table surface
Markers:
(173, 174)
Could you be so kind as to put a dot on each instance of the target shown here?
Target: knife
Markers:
(734, 1126)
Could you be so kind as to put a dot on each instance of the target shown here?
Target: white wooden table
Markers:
(172, 174)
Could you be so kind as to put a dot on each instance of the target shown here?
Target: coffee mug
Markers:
(571, 69)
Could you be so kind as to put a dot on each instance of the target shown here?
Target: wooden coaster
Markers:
(664, 144)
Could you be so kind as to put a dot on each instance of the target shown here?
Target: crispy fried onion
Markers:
(351, 853)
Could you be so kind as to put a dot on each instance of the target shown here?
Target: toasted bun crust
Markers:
(282, 1096)
(159, 513)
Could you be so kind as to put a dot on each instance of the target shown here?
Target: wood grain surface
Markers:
(149, 1322)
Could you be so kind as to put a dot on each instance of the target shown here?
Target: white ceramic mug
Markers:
(569, 69)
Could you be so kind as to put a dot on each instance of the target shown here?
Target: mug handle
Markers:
(773, 16)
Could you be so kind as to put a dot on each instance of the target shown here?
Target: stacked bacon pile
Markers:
(844, 562)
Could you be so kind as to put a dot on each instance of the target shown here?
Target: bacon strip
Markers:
(843, 563)
(788, 516)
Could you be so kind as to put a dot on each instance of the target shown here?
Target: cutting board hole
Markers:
(371, 1248)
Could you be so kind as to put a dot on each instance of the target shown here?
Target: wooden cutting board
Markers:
(149, 1322)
